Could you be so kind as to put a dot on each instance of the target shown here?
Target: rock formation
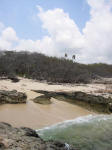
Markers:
(25, 139)
(42, 99)
(96, 102)
(12, 97)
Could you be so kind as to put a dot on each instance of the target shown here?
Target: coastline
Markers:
(65, 122)
(35, 115)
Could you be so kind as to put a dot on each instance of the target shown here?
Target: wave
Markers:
(93, 132)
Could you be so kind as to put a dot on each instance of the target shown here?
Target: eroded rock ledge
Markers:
(25, 139)
(98, 103)
(12, 97)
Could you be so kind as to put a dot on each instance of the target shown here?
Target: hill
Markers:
(38, 66)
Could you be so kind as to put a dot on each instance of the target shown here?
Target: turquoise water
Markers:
(84, 133)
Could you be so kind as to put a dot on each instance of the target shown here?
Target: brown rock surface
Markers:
(43, 99)
(12, 97)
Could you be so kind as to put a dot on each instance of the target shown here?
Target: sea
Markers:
(92, 132)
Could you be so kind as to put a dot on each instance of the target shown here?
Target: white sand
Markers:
(27, 84)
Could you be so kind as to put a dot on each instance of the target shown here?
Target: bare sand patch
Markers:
(29, 84)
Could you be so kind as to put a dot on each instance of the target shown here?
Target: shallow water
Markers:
(84, 133)
(36, 115)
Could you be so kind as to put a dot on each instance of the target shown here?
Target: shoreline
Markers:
(36, 115)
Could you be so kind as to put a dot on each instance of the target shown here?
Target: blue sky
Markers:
(22, 14)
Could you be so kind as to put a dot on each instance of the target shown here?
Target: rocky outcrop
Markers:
(13, 79)
(25, 139)
(43, 99)
(96, 102)
(12, 97)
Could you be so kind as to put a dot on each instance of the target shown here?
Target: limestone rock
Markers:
(43, 99)
(12, 97)
(96, 102)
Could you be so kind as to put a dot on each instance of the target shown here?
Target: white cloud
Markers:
(9, 34)
(94, 44)
(7, 37)
(44, 46)
(98, 32)
(63, 34)
(62, 30)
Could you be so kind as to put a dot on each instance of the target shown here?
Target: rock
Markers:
(3, 143)
(25, 139)
(110, 107)
(29, 132)
(98, 103)
(58, 146)
(43, 99)
(12, 97)
(13, 78)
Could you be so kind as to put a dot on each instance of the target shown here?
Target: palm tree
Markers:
(73, 57)
(66, 55)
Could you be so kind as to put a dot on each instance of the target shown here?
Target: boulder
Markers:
(43, 99)
(12, 97)
(13, 78)
(110, 107)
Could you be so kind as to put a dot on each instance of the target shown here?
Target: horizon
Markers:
(83, 28)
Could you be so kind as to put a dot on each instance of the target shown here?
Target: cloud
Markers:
(63, 34)
(98, 32)
(93, 44)
(7, 37)
(62, 30)
(9, 34)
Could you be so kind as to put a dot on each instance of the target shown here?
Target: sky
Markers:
(56, 27)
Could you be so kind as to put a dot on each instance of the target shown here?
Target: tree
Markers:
(66, 55)
(73, 57)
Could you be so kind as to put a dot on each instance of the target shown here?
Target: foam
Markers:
(79, 120)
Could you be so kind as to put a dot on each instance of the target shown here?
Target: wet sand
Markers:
(37, 115)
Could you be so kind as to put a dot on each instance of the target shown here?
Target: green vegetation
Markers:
(52, 69)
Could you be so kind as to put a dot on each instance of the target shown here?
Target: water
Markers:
(85, 133)
(35, 115)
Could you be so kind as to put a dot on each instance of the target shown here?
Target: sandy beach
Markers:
(36, 115)
(28, 84)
